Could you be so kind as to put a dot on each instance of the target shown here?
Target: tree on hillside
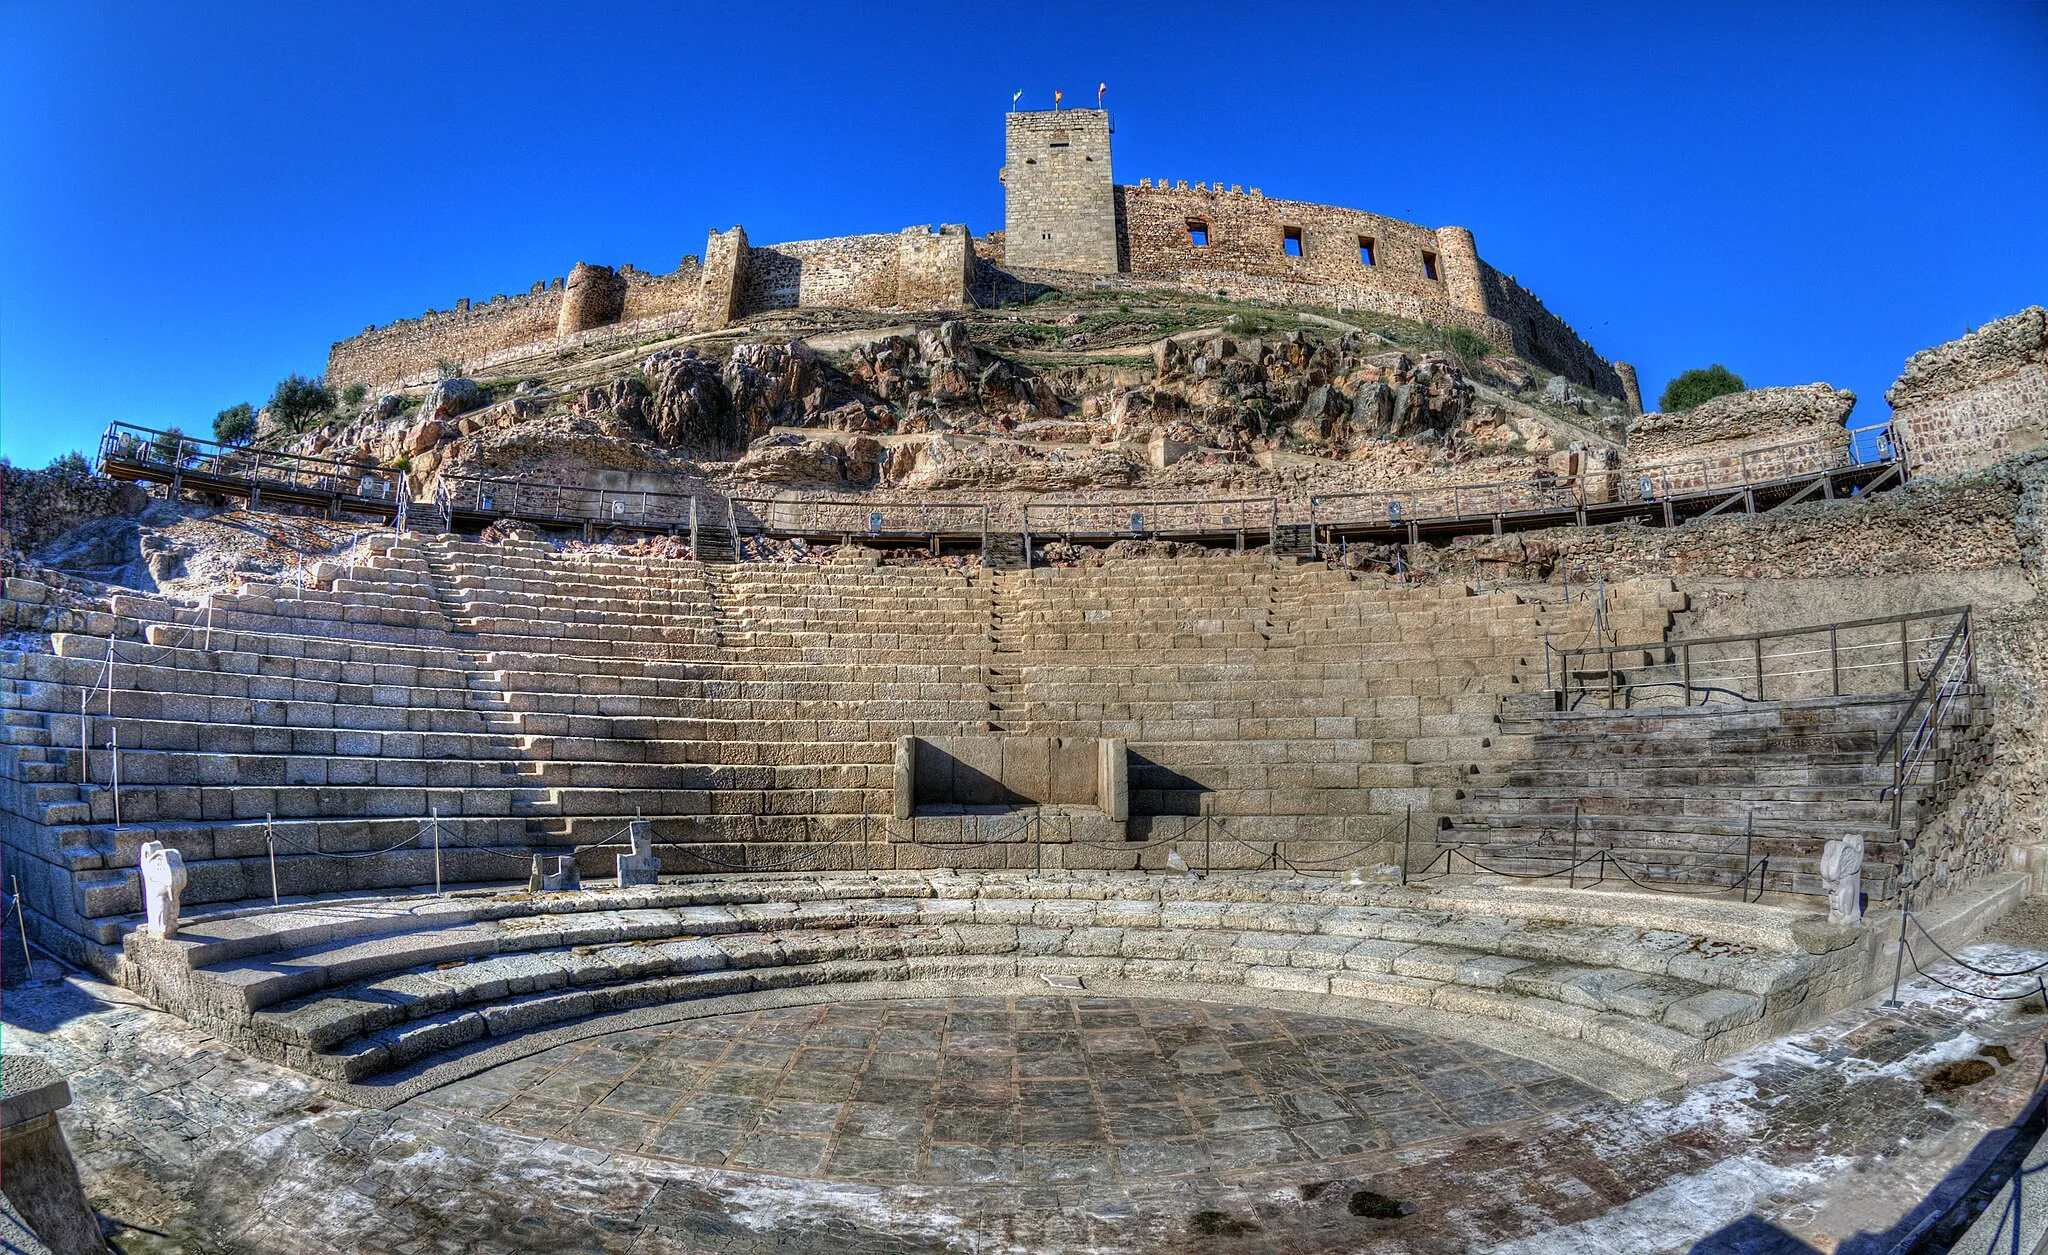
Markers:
(235, 424)
(72, 463)
(169, 445)
(298, 400)
(1695, 386)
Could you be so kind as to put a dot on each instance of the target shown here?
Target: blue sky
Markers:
(200, 197)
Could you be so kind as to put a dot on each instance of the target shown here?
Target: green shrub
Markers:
(235, 424)
(1695, 386)
(72, 463)
(298, 401)
(354, 393)
(1468, 344)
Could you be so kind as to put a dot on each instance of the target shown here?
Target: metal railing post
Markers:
(1572, 875)
(1899, 964)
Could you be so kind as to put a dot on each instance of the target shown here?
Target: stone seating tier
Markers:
(660, 688)
(350, 990)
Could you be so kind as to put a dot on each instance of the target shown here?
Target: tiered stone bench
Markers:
(350, 990)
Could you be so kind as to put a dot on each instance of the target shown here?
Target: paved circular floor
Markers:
(1011, 1090)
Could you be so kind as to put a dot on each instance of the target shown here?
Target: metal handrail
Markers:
(1731, 675)
(1910, 754)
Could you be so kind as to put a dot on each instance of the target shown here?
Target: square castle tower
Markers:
(1059, 198)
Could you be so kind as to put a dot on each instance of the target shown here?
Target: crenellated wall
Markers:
(413, 346)
(1547, 340)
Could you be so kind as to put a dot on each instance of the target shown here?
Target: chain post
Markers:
(1899, 964)
(21, 922)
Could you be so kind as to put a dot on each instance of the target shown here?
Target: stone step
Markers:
(369, 993)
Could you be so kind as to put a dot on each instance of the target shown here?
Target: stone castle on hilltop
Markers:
(1067, 224)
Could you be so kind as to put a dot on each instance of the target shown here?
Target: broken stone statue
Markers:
(1841, 877)
(163, 884)
(642, 866)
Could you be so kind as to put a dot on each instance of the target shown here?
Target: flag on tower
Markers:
(1057, 96)
(1099, 89)
(1014, 99)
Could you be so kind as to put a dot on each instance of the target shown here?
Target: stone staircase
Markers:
(1699, 796)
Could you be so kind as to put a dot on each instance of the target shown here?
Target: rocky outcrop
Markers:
(790, 459)
(449, 398)
(36, 507)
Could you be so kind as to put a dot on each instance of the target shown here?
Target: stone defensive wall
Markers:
(1764, 433)
(1255, 247)
(593, 305)
(1963, 405)
(918, 268)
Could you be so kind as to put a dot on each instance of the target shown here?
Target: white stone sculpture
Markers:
(1841, 877)
(163, 884)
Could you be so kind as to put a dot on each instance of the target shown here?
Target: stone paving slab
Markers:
(1012, 1090)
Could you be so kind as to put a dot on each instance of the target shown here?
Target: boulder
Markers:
(451, 397)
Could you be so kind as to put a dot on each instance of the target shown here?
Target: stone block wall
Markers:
(594, 296)
(724, 279)
(1247, 234)
(661, 296)
(934, 269)
(1963, 405)
(859, 271)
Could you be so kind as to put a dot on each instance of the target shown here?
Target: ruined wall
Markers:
(1967, 403)
(1545, 339)
(1247, 235)
(724, 279)
(1764, 433)
(934, 269)
(661, 296)
(593, 296)
(475, 337)
(857, 271)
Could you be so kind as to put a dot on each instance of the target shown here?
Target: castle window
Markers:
(1290, 241)
(1365, 250)
(1429, 266)
(1058, 140)
(1198, 233)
